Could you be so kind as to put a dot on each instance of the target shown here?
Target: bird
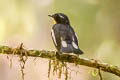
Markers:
(63, 35)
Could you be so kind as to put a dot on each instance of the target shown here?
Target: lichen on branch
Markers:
(66, 58)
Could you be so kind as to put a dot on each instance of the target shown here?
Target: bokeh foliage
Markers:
(96, 22)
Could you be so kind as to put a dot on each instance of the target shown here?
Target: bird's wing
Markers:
(72, 35)
(76, 39)
(56, 37)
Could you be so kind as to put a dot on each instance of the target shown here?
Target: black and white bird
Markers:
(63, 35)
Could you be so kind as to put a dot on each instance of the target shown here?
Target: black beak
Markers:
(50, 15)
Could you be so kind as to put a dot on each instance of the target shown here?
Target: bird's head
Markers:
(60, 18)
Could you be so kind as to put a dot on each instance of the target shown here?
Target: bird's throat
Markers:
(54, 22)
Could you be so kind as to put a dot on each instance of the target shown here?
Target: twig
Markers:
(100, 75)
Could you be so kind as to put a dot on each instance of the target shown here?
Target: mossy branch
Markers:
(64, 57)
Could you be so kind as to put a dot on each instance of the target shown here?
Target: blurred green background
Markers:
(96, 22)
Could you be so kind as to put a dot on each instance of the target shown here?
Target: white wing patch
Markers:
(76, 37)
(64, 44)
(53, 35)
(74, 45)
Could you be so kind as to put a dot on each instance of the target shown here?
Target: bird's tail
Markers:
(78, 51)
